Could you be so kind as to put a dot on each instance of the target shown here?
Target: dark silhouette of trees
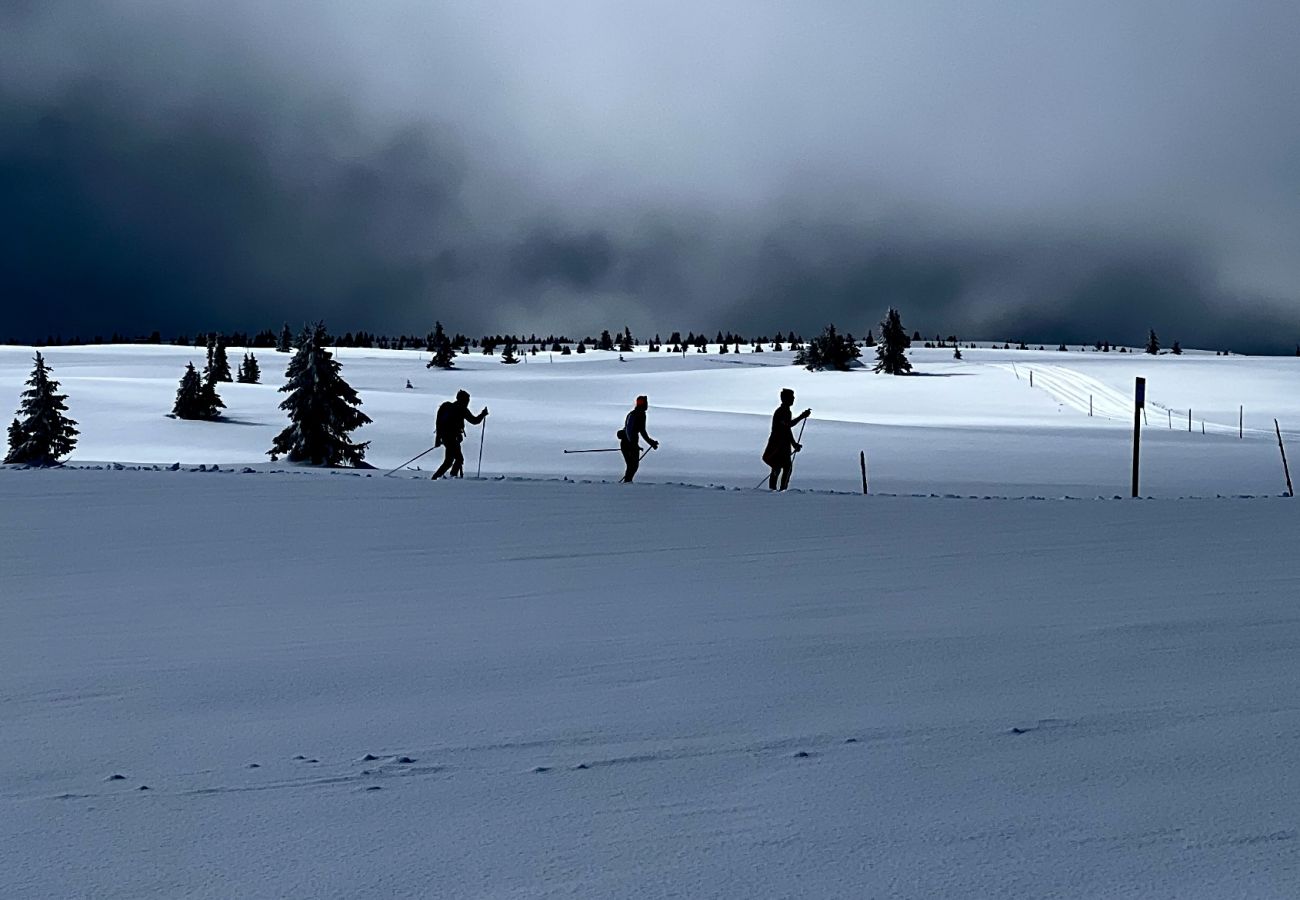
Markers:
(196, 398)
(891, 354)
(322, 407)
(249, 370)
(41, 434)
(444, 354)
(829, 350)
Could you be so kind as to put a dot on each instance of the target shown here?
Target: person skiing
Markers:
(781, 445)
(450, 432)
(629, 438)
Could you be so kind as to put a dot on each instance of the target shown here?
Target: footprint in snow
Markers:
(802, 754)
(115, 777)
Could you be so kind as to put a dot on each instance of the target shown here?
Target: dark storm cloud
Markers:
(1072, 171)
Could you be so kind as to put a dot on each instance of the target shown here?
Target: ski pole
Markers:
(600, 450)
(798, 440)
(408, 462)
(482, 435)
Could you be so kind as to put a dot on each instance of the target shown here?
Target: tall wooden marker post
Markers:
(1139, 403)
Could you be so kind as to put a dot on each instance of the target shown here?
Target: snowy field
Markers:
(572, 688)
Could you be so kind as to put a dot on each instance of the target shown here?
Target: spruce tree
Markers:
(322, 407)
(1153, 343)
(285, 343)
(510, 354)
(625, 340)
(582, 347)
(444, 353)
(249, 371)
(1176, 349)
(41, 434)
(606, 342)
(218, 367)
(891, 353)
(829, 350)
(196, 398)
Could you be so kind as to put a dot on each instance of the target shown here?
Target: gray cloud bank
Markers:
(1073, 172)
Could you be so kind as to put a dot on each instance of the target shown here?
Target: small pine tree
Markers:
(218, 367)
(891, 354)
(444, 354)
(510, 354)
(322, 407)
(625, 340)
(829, 350)
(1153, 343)
(196, 398)
(285, 343)
(606, 342)
(1176, 349)
(870, 341)
(582, 347)
(42, 434)
(249, 370)
(956, 353)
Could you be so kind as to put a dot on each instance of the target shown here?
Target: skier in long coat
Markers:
(781, 444)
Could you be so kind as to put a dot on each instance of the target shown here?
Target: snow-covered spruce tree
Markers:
(444, 354)
(891, 352)
(510, 355)
(1153, 343)
(218, 367)
(829, 350)
(322, 407)
(285, 342)
(196, 398)
(249, 371)
(41, 434)
(1176, 349)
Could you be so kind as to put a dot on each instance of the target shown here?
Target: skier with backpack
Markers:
(781, 444)
(629, 438)
(450, 432)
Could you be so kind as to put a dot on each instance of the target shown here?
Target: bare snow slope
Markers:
(580, 690)
(974, 426)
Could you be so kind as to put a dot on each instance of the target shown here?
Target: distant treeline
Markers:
(623, 341)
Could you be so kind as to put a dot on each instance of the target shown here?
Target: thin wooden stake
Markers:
(1285, 470)
(1090, 406)
(1189, 421)
(1139, 405)
(862, 458)
(1241, 417)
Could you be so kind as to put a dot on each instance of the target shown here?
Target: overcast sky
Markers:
(1047, 170)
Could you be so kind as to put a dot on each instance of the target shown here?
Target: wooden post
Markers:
(1202, 426)
(1189, 421)
(862, 458)
(1170, 413)
(1285, 471)
(1139, 404)
(1241, 417)
(1090, 406)
(1031, 377)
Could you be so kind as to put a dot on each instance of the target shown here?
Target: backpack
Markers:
(448, 425)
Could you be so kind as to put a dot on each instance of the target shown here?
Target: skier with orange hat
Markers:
(629, 438)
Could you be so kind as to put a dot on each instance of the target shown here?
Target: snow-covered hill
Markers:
(342, 685)
(974, 426)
